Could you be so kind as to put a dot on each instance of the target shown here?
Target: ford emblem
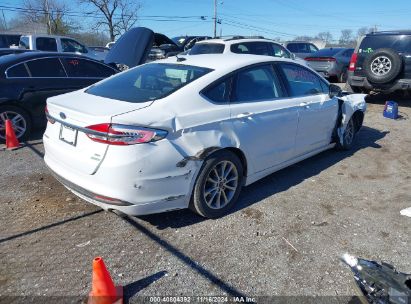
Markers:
(62, 115)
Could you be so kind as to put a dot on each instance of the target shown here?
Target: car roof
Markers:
(46, 36)
(235, 40)
(223, 62)
(399, 32)
(11, 59)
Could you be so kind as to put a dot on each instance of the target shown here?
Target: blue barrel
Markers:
(391, 110)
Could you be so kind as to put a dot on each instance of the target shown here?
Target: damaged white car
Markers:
(191, 132)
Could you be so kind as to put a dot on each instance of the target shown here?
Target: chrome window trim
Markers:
(59, 58)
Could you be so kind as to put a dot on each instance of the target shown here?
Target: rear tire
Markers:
(20, 120)
(218, 185)
(343, 77)
(348, 136)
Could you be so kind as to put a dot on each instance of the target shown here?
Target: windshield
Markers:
(147, 82)
(207, 48)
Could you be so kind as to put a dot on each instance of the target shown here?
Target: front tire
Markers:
(348, 136)
(218, 185)
(20, 120)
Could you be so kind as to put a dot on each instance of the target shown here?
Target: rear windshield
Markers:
(207, 48)
(147, 82)
(327, 52)
(400, 43)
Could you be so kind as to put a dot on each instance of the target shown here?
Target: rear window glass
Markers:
(84, 68)
(46, 44)
(400, 43)
(207, 48)
(18, 71)
(48, 67)
(327, 52)
(256, 48)
(147, 82)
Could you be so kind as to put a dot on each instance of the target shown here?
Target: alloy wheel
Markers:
(349, 132)
(381, 66)
(221, 185)
(17, 120)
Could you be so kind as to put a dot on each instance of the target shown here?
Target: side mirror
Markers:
(293, 57)
(334, 91)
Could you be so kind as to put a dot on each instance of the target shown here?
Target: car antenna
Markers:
(179, 59)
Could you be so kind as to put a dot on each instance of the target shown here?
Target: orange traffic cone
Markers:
(11, 139)
(103, 290)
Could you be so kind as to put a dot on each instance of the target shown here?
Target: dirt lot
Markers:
(330, 204)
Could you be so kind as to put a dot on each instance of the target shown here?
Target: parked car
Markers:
(53, 43)
(187, 42)
(301, 49)
(29, 78)
(192, 131)
(381, 62)
(242, 45)
(8, 40)
(332, 63)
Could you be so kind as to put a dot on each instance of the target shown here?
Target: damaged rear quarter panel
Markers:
(196, 128)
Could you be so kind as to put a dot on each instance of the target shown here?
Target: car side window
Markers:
(46, 44)
(312, 48)
(72, 46)
(256, 48)
(219, 92)
(294, 47)
(24, 43)
(301, 81)
(47, 67)
(256, 84)
(18, 71)
(279, 51)
(83, 68)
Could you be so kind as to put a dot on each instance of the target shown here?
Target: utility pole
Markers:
(215, 18)
(5, 21)
(48, 16)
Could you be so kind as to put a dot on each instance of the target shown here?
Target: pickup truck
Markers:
(53, 43)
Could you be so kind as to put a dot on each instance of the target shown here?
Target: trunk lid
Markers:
(67, 137)
(320, 63)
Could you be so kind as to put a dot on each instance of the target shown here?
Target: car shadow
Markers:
(275, 183)
(380, 98)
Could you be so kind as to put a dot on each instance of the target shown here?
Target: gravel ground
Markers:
(284, 238)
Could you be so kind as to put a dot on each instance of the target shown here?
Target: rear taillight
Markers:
(329, 59)
(123, 135)
(353, 62)
(49, 118)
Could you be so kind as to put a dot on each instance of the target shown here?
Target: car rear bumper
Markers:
(362, 82)
(135, 185)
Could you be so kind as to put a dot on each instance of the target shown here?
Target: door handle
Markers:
(305, 105)
(244, 115)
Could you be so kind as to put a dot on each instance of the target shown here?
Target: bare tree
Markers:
(119, 15)
(362, 31)
(346, 37)
(52, 13)
(325, 36)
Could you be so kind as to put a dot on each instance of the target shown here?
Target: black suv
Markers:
(381, 62)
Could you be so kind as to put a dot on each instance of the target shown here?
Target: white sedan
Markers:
(191, 132)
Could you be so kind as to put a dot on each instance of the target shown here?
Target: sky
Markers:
(285, 19)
